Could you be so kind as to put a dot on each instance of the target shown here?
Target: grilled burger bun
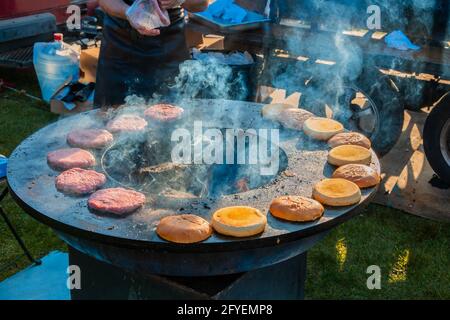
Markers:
(336, 192)
(272, 111)
(322, 128)
(347, 154)
(239, 221)
(346, 138)
(294, 118)
(296, 208)
(184, 228)
(363, 176)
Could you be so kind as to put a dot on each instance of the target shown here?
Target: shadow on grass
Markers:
(412, 253)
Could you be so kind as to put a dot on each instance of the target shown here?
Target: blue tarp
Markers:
(398, 40)
(227, 12)
(43, 282)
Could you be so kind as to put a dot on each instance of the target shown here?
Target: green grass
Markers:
(412, 253)
(19, 117)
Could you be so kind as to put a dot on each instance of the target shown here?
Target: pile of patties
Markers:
(76, 162)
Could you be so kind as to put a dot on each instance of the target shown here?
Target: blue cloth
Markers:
(398, 40)
(217, 8)
(44, 282)
(226, 11)
(234, 13)
(3, 165)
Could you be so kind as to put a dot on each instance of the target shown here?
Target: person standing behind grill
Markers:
(135, 60)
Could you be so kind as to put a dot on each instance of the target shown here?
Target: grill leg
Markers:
(14, 232)
(282, 281)
(99, 280)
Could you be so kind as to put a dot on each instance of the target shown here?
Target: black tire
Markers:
(436, 138)
(381, 96)
(416, 94)
(383, 92)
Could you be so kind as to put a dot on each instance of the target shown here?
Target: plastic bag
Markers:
(147, 14)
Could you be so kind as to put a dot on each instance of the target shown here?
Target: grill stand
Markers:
(270, 265)
(13, 230)
(99, 280)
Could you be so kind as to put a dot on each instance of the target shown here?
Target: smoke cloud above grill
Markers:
(209, 79)
(322, 66)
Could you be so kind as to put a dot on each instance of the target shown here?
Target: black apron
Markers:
(130, 63)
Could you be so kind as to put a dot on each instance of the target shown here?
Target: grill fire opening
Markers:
(146, 165)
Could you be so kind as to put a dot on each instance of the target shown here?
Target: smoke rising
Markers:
(351, 62)
(210, 80)
(321, 84)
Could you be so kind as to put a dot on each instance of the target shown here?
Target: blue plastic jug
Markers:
(53, 69)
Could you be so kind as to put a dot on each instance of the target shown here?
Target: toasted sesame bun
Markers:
(322, 128)
(296, 208)
(294, 118)
(272, 111)
(364, 176)
(347, 154)
(346, 138)
(184, 228)
(336, 192)
(239, 221)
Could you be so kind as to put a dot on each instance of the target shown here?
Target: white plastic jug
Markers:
(55, 63)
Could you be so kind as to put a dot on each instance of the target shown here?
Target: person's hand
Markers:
(168, 4)
(144, 31)
(136, 14)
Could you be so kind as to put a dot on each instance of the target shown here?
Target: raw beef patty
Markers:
(64, 159)
(164, 112)
(126, 123)
(79, 181)
(119, 201)
(89, 138)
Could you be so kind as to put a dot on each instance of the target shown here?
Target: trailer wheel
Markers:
(369, 104)
(436, 138)
(384, 95)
